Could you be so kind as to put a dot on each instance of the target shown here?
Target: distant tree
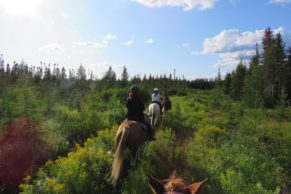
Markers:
(238, 81)
(124, 77)
(218, 79)
(2, 67)
(288, 74)
(47, 73)
(71, 74)
(280, 77)
(269, 68)
(56, 72)
(63, 74)
(253, 83)
(8, 71)
(109, 79)
(227, 83)
(81, 73)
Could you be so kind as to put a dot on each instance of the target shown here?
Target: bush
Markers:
(22, 152)
(82, 171)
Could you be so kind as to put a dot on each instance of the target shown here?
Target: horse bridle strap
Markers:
(172, 192)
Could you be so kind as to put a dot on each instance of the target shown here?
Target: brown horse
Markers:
(130, 134)
(166, 104)
(174, 185)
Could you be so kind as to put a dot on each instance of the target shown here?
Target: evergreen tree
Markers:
(124, 77)
(63, 74)
(253, 85)
(218, 79)
(238, 81)
(81, 73)
(227, 83)
(288, 74)
(109, 79)
(2, 67)
(269, 69)
(280, 78)
(8, 71)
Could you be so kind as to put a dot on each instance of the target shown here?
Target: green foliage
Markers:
(239, 150)
(82, 171)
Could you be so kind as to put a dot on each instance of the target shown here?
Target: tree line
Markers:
(48, 75)
(266, 82)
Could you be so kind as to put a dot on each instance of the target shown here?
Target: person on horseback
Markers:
(166, 102)
(156, 98)
(135, 108)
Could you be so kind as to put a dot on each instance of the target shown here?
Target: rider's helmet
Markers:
(134, 89)
(156, 90)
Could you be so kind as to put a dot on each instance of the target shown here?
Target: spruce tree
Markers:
(280, 78)
(269, 69)
(287, 69)
(124, 77)
(252, 91)
(238, 81)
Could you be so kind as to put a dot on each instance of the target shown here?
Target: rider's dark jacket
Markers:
(135, 108)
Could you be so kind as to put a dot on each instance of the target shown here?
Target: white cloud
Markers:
(186, 44)
(150, 41)
(20, 7)
(107, 38)
(128, 43)
(90, 44)
(231, 45)
(279, 1)
(52, 47)
(233, 40)
(186, 4)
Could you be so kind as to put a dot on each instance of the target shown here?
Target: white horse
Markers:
(154, 113)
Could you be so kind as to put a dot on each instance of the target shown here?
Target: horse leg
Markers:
(153, 120)
(134, 158)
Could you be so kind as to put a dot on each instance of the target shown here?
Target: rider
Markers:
(166, 103)
(156, 98)
(135, 108)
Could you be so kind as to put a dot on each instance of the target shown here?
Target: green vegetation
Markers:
(239, 151)
(238, 134)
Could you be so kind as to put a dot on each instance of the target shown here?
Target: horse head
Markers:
(174, 185)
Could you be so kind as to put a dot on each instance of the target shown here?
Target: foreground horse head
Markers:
(155, 113)
(131, 135)
(174, 185)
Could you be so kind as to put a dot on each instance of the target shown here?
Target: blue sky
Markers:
(195, 37)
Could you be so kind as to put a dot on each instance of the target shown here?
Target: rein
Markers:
(172, 192)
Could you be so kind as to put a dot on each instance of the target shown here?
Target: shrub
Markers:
(82, 171)
(22, 152)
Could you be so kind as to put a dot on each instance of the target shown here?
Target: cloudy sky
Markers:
(195, 37)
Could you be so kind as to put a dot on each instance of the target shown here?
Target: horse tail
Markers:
(118, 158)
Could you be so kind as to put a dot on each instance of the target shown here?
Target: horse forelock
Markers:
(176, 184)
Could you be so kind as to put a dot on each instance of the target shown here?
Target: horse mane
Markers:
(174, 182)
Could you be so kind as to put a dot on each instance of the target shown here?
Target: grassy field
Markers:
(205, 135)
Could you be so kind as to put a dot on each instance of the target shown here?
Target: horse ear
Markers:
(196, 187)
(156, 185)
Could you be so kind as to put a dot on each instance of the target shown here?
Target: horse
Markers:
(174, 185)
(131, 135)
(166, 104)
(155, 113)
